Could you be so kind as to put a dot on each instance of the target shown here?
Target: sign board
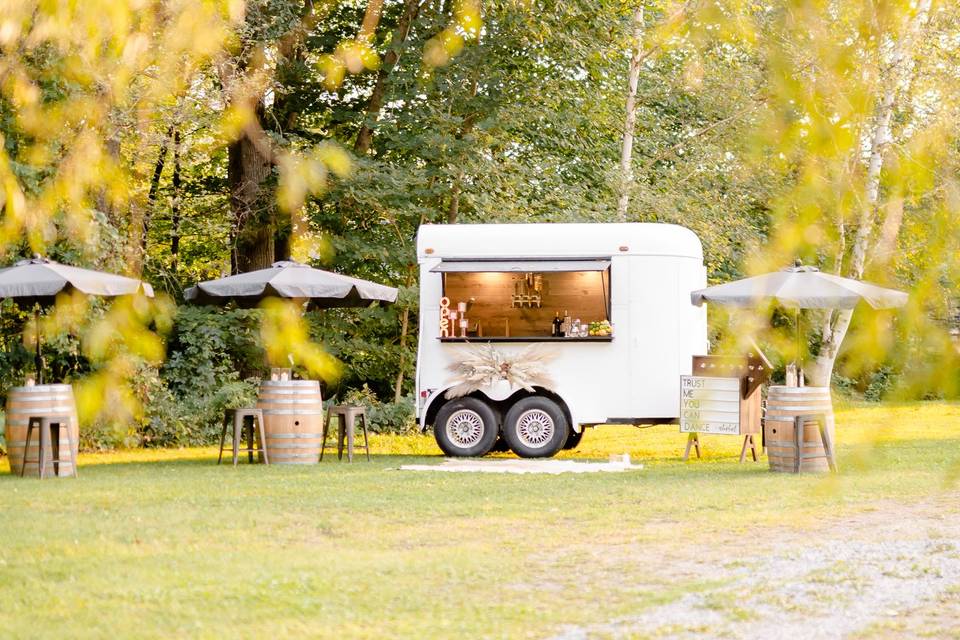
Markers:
(709, 405)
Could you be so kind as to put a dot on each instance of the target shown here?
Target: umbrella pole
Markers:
(39, 359)
(799, 358)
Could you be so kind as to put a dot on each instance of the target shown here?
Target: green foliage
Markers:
(214, 363)
(881, 382)
(384, 417)
(750, 122)
(193, 419)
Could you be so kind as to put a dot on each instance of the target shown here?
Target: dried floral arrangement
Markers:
(483, 366)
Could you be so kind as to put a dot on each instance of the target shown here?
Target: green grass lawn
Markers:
(166, 544)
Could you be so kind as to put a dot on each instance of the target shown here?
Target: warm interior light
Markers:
(495, 311)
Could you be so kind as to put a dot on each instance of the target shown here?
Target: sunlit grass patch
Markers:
(159, 543)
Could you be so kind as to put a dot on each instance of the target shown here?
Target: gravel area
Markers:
(889, 572)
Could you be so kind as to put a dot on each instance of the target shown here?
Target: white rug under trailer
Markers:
(474, 465)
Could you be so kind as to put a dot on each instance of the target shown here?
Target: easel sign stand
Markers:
(723, 397)
(693, 442)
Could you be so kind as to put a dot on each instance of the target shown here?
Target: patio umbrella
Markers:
(289, 279)
(38, 280)
(800, 287)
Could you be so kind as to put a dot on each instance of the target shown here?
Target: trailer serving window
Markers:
(518, 300)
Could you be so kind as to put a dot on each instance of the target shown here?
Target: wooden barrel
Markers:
(783, 405)
(54, 400)
(292, 420)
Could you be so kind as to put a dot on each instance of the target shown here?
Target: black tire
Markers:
(535, 427)
(574, 438)
(466, 428)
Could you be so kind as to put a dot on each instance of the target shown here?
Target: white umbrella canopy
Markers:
(37, 281)
(289, 279)
(40, 280)
(800, 287)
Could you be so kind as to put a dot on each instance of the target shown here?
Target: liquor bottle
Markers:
(557, 322)
(566, 323)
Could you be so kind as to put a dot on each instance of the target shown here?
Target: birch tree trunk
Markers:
(896, 86)
(630, 119)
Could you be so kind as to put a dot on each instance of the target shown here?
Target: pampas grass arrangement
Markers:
(483, 366)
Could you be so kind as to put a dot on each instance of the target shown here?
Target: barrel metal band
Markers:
(21, 443)
(292, 412)
(290, 392)
(292, 456)
(25, 422)
(290, 383)
(287, 447)
(304, 436)
(44, 387)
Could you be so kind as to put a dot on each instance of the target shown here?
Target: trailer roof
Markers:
(516, 266)
(555, 240)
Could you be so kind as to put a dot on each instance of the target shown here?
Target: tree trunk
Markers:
(154, 190)
(453, 210)
(251, 202)
(112, 135)
(371, 18)
(404, 330)
(630, 120)
(365, 136)
(175, 206)
(897, 83)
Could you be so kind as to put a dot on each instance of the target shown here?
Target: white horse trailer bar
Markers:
(637, 277)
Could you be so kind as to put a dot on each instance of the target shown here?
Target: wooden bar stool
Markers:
(798, 439)
(346, 420)
(49, 428)
(241, 425)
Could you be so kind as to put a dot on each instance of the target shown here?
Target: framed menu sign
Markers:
(710, 405)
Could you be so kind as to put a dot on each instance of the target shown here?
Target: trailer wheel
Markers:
(535, 427)
(574, 439)
(465, 428)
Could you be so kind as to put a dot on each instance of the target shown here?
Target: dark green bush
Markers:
(880, 383)
(384, 417)
(214, 360)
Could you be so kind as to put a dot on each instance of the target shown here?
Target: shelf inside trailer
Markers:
(528, 339)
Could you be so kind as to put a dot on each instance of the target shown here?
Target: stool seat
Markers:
(49, 428)
(346, 416)
(243, 423)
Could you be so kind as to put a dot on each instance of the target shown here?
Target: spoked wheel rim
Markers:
(464, 428)
(535, 428)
